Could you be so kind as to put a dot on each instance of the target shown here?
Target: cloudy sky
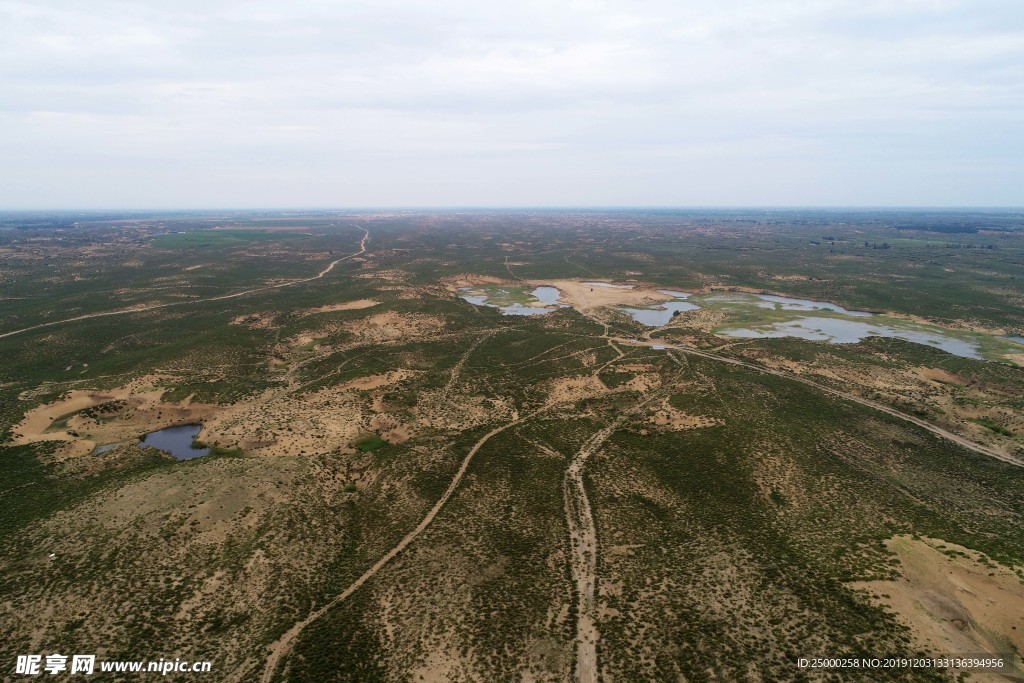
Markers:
(143, 104)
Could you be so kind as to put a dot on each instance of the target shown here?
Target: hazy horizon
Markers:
(409, 104)
(145, 210)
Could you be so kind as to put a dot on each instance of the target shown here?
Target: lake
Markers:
(840, 331)
(793, 304)
(849, 329)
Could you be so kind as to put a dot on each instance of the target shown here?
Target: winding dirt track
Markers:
(583, 536)
(938, 431)
(583, 544)
(280, 648)
(582, 530)
(583, 557)
(140, 309)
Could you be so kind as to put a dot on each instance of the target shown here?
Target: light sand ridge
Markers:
(954, 601)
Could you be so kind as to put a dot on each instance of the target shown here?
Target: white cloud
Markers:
(397, 102)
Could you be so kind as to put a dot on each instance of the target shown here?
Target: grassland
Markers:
(387, 498)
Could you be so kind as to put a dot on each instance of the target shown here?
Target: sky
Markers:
(392, 103)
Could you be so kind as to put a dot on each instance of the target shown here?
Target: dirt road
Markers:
(583, 555)
(583, 545)
(140, 309)
(938, 431)
(281, 648)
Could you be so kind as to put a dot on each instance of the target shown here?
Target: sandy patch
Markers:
(953, 604)
(669, 417)
(390, 428)
(955, 324)
(572, 389)
(125, 413)
(303, 340)
(35, 423)
(379, 406)
(706, 319)
(643, 383)
(399, 434)
(377, 381)
(585, 297)
(936, 375)
(391, 326)
(444, 662)
(440, 409)
(346, 306)
(468, 280)
(263, 320)
(285, 424)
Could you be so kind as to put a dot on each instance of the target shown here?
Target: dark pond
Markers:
(177, 441)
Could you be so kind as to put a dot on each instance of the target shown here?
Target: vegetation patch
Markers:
(370, 443)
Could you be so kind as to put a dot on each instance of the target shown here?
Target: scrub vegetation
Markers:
(407, 486)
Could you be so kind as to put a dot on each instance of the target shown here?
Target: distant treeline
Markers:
(946, 228)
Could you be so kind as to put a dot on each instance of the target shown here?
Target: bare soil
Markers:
(136, 408)
(954, 600)
(587, 297)
(345, 306)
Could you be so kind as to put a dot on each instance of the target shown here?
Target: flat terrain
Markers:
(405, 485)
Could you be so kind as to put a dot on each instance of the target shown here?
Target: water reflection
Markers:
(543, 295)
(176, 441)
(792, 304)
(839, 331)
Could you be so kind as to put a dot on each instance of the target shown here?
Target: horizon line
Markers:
(553, 207)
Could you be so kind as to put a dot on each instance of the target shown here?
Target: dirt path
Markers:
(509, 269)
(938, 431)
(140, 309)
(583, 555)
(453, 377)
(584, 268)
(583, 546)
(281, 648)
(585, 543)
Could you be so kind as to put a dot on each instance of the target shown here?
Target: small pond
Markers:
(661, 314)
(546, 295)
(656, 317)
(781, 303)
(514, 300)
(176, 441)
(843, 326)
